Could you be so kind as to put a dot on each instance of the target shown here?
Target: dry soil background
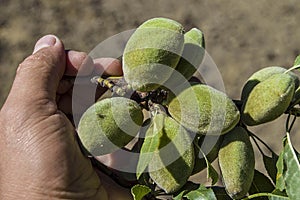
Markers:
(241, 36)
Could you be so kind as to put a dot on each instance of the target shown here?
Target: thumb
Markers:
(38, 76)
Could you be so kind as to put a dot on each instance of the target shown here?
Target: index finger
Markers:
(81, 64)
(108, 66)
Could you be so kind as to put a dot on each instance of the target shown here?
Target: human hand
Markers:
(40, 157)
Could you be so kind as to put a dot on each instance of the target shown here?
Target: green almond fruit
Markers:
(191, 58)
(268, 99)
(177, 90)
(168, 153)
(152, 53)
(237, 161)
(193, 53)
(262, 75)
(109, 125)
(204, 110)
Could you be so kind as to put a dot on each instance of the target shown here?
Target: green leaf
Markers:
(202, 193)
(288, 170)
(270, 165)
(280, 184)
(179, 196)
(150, 145)
(297, 60)
(297, 154)
(210, 148)
(145, 179)
(261, 184)
(292, 173)
(296, 64)
(211, 172)
(139, 191)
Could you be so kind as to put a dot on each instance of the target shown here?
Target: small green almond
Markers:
(204, 110)
(262, 75)
(109, 125)
(152, 53)
(193, 53)
(190, 60)
(237, 161)
(268, 99)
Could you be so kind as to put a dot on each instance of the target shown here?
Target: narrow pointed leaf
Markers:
(150, 145)
(292, 174)
(202, 193)
(211, 172)
(280, 184)
(297, 60)
(179, 196)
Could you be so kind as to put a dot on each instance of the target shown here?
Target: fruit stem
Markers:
(260, 140)
(103, 82)
(257, 145)
(292, 68)
(111, 85)
(238, 103)
(294, 111)
(288, 125)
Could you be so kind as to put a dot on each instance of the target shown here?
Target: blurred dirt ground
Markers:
(241, 36)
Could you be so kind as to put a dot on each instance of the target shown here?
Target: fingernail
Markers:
(46, 41)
